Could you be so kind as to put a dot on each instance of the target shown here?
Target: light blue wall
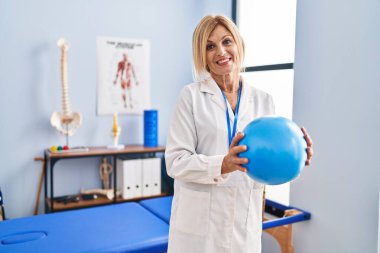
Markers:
(336, 96)
(30, 83)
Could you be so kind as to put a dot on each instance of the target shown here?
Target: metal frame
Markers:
(51, 161)
(282, 66)
(278, 210)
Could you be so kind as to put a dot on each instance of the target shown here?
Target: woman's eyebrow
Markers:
(227, 35)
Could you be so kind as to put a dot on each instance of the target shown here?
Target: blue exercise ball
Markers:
(276, 150)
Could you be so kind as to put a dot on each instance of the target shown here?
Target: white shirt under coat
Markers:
(211, 212)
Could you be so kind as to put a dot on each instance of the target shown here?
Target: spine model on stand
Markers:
(66, 122)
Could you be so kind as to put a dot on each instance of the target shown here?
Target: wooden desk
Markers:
(135, 151)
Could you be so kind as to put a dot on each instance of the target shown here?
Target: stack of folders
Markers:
(138, 178)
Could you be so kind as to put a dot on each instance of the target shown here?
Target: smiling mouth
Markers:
(223, 61)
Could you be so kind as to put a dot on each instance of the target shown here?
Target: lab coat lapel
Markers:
(209, 86)
(245, 100)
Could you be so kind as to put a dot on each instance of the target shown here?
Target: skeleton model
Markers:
(65, 122)
(109, 193)
(116, 130)
(105, 170)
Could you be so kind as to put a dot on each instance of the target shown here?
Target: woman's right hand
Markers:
(231, 161)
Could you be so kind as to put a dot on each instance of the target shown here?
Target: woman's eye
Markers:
(209, 47)
(227, 42)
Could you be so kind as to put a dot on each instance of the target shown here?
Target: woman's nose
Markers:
(221, 51)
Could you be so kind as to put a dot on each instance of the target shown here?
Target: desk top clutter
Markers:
(102, 150)
(150, 137)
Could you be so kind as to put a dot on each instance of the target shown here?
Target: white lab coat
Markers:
(211, 212)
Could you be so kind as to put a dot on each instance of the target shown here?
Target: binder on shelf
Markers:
(128, 174)
(147, 177)
(138, 193)
(138, 178)
(156, 176)
(151, 176)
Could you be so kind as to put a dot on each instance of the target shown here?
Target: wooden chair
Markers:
(281, 229)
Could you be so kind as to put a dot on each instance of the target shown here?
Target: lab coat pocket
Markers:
(254, 214)
(193, 212)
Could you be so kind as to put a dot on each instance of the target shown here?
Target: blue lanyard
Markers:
(231, 136)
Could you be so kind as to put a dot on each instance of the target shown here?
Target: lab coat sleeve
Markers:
(182, 161)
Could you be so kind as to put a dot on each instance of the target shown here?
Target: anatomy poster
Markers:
(123, 75)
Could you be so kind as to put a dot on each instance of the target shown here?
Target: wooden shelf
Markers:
(101, 200)
(51, 158)
(104, 151)
(120, 199)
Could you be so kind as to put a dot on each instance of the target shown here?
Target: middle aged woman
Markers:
(216, 206)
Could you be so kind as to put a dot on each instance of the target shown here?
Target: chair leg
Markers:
(2, 212)
(39, 183)
(284, 237)
(2, 216)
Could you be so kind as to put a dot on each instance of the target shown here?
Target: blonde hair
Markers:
(200, 36)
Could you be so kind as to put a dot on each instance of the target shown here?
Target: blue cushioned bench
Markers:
(161, 207)
(280, 227)
(126, 227)
(129, 227)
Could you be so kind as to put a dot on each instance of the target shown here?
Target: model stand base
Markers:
(120, 146)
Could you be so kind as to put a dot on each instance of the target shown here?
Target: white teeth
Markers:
(222, 61)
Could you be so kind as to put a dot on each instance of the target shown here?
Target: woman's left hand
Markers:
(309, 148)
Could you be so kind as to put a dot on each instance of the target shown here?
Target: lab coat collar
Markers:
(211, 87)
(208, 85)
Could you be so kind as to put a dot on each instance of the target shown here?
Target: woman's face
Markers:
(221, 52)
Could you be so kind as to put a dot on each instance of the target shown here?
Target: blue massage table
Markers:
(279, 227)
(126, 227)
(161, 207)
(129, 227)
